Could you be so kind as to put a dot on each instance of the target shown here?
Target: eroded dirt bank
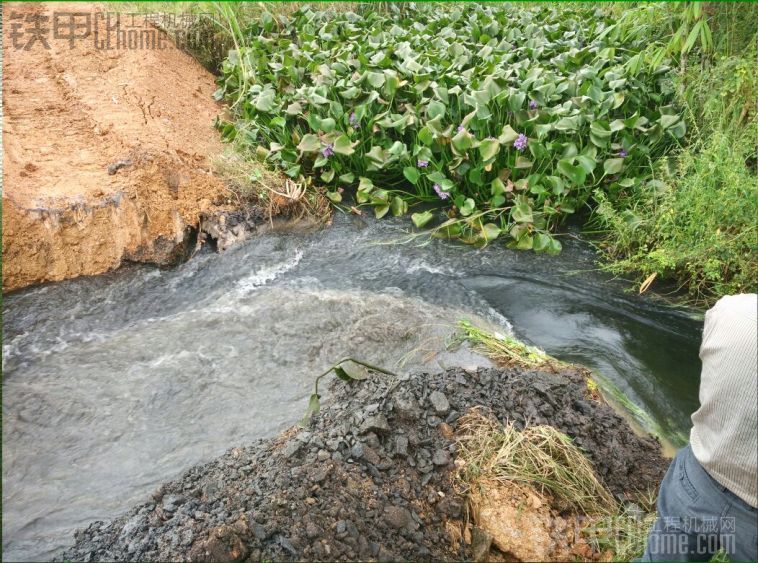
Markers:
(373, 478)
(107, 151)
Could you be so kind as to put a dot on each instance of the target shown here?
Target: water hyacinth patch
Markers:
(405, 107)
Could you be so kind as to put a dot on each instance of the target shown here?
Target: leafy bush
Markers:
(513, 117)
(696, 225)
(695, 222)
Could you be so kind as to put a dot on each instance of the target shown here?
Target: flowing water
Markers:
(115, 383)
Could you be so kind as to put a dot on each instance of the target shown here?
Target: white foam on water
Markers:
(500, 319)
(267, 274)
(421, 266)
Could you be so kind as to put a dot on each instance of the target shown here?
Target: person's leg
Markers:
(738, 530)
(690, 506)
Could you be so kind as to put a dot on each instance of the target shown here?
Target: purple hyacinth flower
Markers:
(327, 151)
(533, 104)
(623, 153)
(520, 142)
(353, 119)
(461, 128)
(440, 192)
(422, 163)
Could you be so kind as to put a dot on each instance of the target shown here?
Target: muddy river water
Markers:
(115, 383)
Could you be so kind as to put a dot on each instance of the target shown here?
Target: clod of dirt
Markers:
(517, 525)
(361, 482)
(118, 165)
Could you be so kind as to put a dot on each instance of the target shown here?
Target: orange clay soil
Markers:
(71, 116)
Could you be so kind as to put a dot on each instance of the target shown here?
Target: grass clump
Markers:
(624, 534)
(540, 457)
(503, 349)
(249, 181)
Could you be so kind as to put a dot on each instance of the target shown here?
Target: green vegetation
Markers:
(510, 116)
(503, 349)
(347, 369)
(250, 181)
(695, 221)
(617, 397)
(624, 535)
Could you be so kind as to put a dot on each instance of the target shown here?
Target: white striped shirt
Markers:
(724, 436)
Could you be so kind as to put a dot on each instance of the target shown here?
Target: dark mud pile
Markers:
(372, 478)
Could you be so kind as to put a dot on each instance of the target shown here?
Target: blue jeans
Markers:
(697, 516)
